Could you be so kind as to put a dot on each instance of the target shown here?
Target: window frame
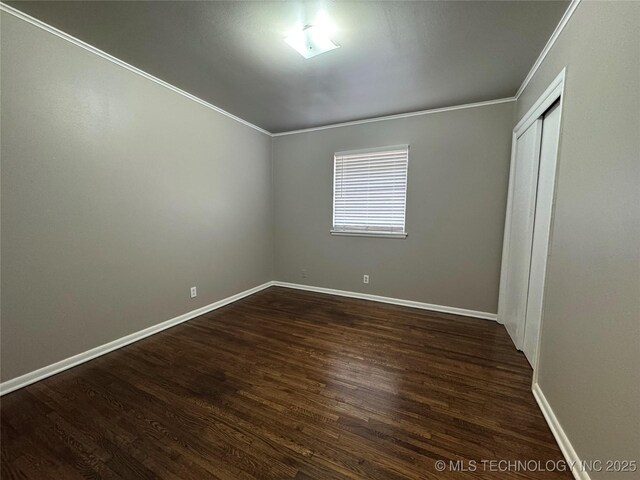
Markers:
(364, 232)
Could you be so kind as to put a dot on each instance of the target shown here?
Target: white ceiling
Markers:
(395, 57)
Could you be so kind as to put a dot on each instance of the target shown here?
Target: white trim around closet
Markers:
(553, 92)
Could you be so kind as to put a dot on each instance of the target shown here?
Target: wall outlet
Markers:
(365, 279)
(194, 292)
(303, 273)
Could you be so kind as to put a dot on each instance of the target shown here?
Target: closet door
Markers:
(519, 232)
(542, 227)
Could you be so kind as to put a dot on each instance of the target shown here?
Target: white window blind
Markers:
(370, 191)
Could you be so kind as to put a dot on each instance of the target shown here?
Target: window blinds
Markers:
(370, 191)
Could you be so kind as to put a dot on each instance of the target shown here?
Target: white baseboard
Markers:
(42, 373)
(567, 449)
(393, 301)
(22, 381)
(62, 365)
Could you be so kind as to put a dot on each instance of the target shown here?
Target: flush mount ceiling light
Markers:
(310, 41)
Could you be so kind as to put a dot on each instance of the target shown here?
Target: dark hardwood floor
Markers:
(287, 384)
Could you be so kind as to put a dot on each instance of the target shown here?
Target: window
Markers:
(370, 192)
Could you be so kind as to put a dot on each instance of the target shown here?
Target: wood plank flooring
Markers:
(287, 384)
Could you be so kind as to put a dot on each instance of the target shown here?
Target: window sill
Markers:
(356, 233)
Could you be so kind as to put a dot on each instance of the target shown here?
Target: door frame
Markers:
(553, 92)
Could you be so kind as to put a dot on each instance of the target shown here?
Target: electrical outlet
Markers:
(303, 273)
(194, 292)
(365, 279)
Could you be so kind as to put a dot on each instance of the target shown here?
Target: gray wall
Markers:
(457, 188)
(590, 354)
(117, 196)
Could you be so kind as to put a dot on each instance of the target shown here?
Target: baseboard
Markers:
(567, 449)
(62, 365)
(393, 301)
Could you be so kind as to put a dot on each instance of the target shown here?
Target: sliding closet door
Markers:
(519, 235)
(542, 227)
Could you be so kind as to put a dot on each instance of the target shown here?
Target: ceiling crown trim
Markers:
(65, 36)
(79, 43)
(400, 115)
(552, 40)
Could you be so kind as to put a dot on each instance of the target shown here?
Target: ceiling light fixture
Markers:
(310, 41)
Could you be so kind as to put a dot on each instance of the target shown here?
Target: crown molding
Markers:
(552, 40)
(400, 115)
(79, 43)
(65, 36)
